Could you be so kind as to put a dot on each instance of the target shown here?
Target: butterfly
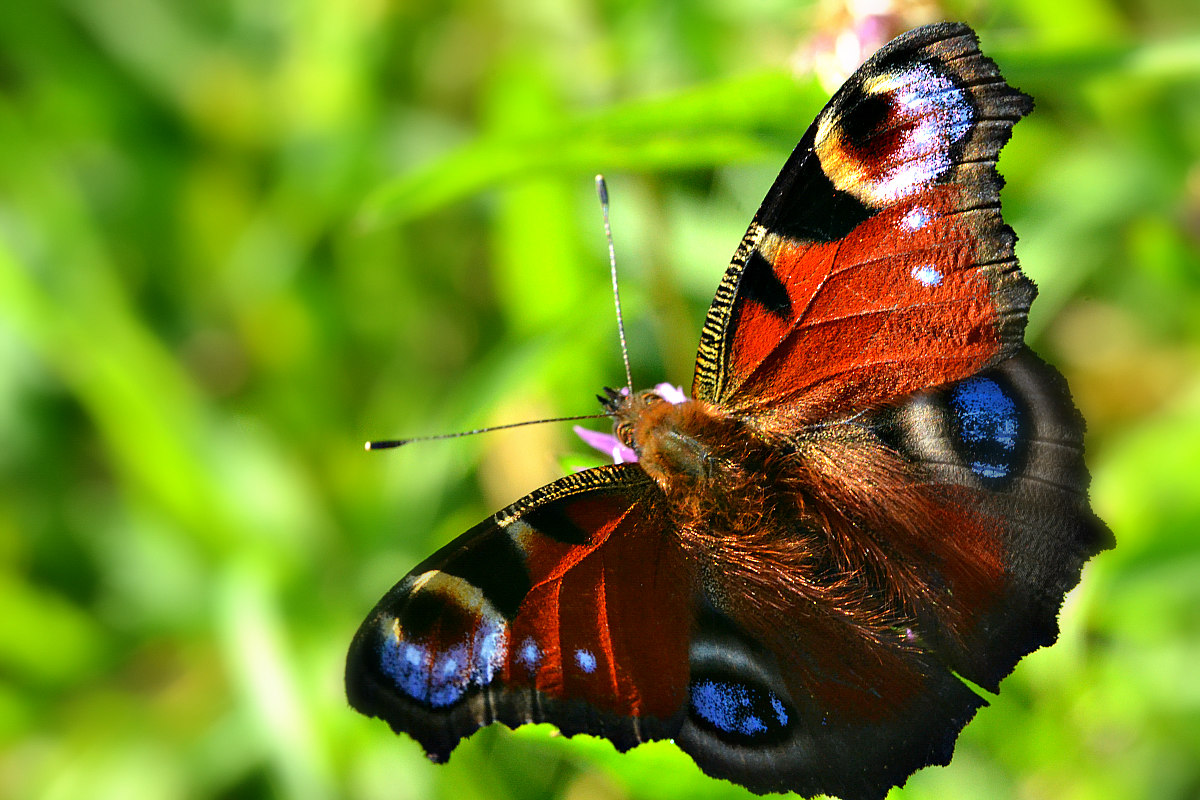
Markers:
(874, 491)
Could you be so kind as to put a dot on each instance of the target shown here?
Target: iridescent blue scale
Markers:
(738, 709)
(988, 426)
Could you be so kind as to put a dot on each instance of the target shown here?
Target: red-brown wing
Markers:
(878, 265)
(573, 606)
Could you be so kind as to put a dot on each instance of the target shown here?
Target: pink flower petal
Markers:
(623, 455)
(606, 443)
(672, 394)
(603, 442)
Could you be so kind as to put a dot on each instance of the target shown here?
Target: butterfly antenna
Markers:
(387, 444)
(602, 190)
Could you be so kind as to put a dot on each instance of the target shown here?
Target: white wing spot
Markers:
(915, 219)
(928, 275)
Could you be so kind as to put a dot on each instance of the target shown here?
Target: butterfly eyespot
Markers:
(446, 639)
(437, 675)
(738, 711)
(988, 426)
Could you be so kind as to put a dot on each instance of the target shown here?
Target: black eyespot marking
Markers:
(422, 612)
(496, 566)
(761, 285)
(864, 118)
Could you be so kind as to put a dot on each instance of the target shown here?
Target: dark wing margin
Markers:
(541, 613)
(882, 233)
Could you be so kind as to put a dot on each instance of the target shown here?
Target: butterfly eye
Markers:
(625, 434)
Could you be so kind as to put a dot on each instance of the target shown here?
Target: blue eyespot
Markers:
(440, 676)
(739, 710)
(938, 115)
(988, 426)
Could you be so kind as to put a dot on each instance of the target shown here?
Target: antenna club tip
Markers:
(367, 446)
(602, 189)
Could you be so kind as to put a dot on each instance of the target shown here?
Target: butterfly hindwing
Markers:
(1005, 447)
(751, 722)
(930, 541)
(541, 613)
(878, 264)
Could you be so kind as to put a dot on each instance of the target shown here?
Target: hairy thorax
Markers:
(768, 518)
(712, 468)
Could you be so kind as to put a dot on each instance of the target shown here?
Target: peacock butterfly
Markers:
(874, 491)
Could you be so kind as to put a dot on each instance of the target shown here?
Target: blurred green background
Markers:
(238, 238)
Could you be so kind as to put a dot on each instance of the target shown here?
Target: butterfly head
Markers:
(673, 438)
(628, 408)
(633, 412)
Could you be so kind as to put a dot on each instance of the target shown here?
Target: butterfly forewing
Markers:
(878, 264)
(541, 613)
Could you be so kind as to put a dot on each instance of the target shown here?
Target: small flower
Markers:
(849, 31)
